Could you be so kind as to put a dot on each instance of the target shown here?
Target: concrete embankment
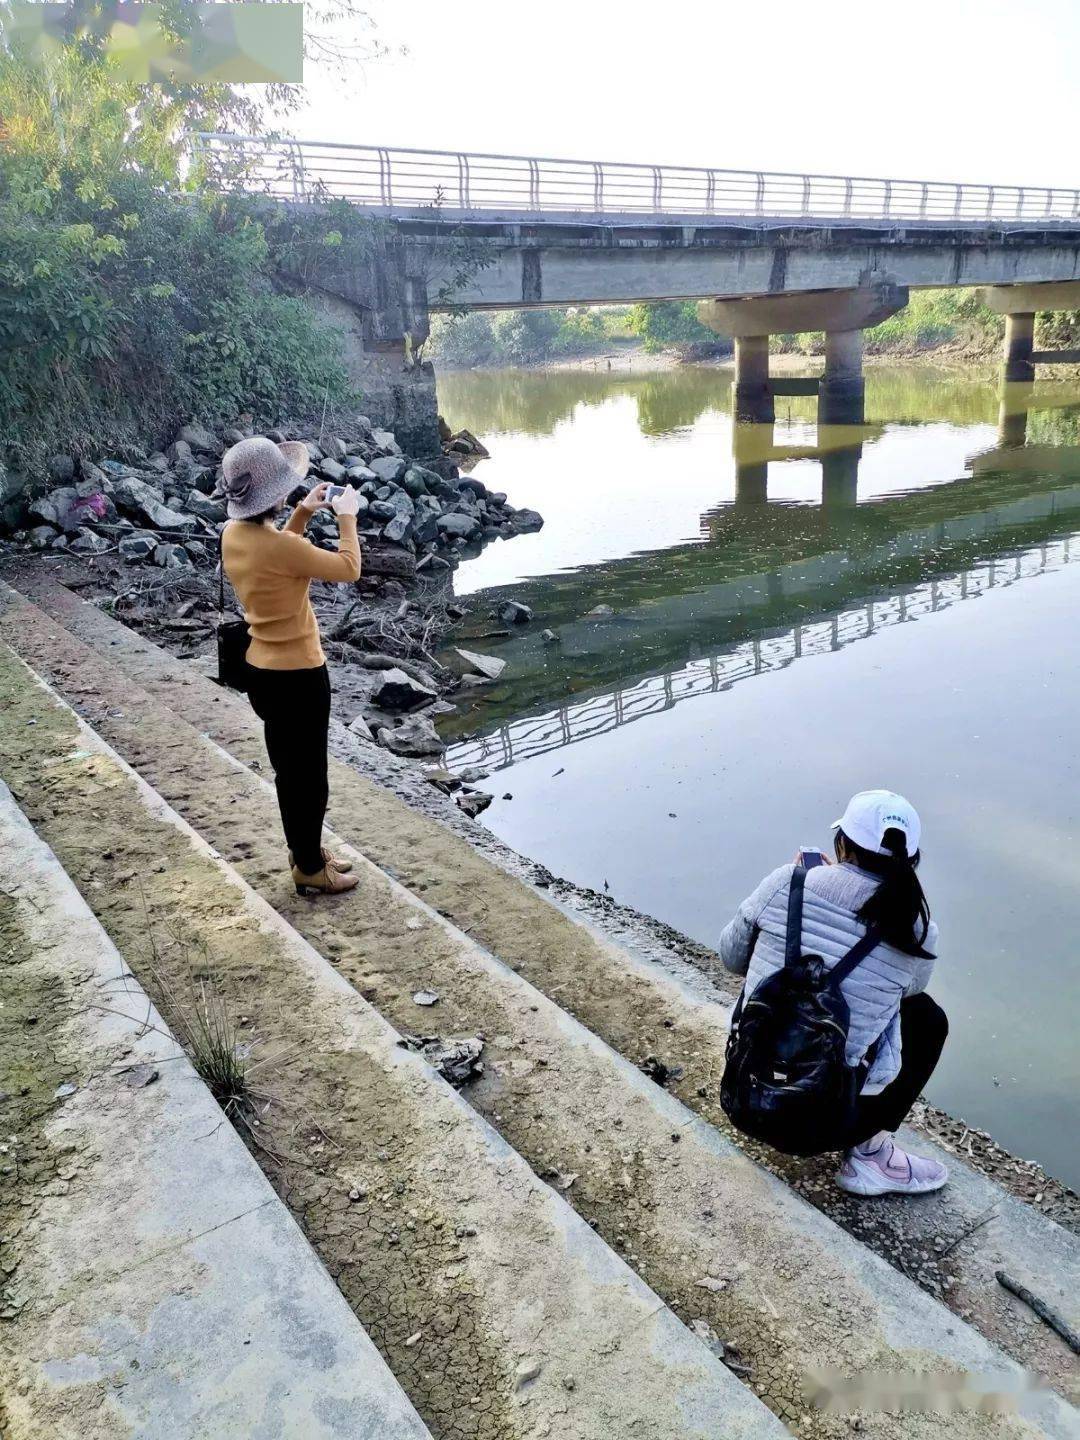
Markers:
(682, 1202)
(155, 1284)
(637, 1008)
(501, 1312)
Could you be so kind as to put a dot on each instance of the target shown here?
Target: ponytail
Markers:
(897, 907)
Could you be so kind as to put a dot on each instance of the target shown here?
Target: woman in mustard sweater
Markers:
(271, 571)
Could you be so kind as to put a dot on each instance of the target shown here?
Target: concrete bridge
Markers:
(764, 253)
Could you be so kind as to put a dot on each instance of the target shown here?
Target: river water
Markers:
(798, 615)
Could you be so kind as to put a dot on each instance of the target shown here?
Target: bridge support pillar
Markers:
(842, 389)
(840, 478)
(1019, 346)
(753, 395)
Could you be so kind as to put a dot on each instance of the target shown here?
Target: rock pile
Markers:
(414, 517)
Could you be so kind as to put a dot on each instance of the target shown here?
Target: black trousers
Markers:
(923, 1031)
(294, 706)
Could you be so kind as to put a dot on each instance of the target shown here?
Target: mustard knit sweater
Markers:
(271, 571)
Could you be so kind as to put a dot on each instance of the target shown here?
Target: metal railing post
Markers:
(348, 171)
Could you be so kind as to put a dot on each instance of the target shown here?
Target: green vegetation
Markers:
(130, 297)
(931, 318)
(674, 325)
(522, 337)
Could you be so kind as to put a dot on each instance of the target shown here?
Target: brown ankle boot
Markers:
(327, 881)
(344, 866)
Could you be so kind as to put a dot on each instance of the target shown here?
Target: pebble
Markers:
(526, 1372)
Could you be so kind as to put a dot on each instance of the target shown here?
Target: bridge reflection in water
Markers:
(537, 735)
(848, 571)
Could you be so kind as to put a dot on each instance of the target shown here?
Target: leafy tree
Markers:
(671, 325)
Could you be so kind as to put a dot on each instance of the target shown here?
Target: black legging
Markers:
(294, 706)
(923, 1030)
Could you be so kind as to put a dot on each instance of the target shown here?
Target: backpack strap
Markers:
(858, 952)
(793, 946)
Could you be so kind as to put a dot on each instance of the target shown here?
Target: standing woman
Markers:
(271, 571)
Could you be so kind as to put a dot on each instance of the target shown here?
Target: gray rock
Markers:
(86, 542)
(381, 510)
(197, 437)
(473, 802)
(62, 469)
(39, 536)
(44, 509)
(157, 461)
(171, 557)
(414, 482)
(361, 729)
(359, 474)
(332, 470)
(397, 529)
(210, 510)
(143, 503)
(470, 482)
(315, 454)
(179, 451)
(525, 521)
(384, 439)
(397, 691)
(233, 435)
(470, 774)
(58, 542)
(388, 468)
(468, 662)
(549, 637)
(336, 449)
(196, 549)
(512, 612)
(138, 546)
(599, 612)
(433, 562)
(415, 736)
(462, 526)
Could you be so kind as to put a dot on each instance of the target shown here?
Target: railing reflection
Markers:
(567, 724)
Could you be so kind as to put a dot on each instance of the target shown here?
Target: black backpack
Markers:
(786, 1080)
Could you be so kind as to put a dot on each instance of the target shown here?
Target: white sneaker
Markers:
(880, 1167)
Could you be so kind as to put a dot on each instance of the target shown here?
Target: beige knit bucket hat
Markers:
(256, 474)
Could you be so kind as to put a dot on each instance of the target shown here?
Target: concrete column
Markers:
(753, 397)
(1019, 343)
(842, 388)
(751, 444)
(840, 478)
(1013, 415)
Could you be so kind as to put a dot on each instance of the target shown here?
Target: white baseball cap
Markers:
(870, 813)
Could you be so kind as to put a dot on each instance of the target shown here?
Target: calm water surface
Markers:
(798, 615)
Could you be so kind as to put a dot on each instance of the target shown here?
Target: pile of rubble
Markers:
(156, 509)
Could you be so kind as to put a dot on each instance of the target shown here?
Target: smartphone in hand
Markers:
(811, 856)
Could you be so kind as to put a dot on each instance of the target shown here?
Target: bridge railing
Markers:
(410, 183)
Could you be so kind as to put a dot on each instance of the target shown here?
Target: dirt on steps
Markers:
(627, 1007)
(447, 1251)
(625, 1191)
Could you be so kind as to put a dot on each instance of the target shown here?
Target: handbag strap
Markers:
(221, 577)
(793, 946)
(858, 952)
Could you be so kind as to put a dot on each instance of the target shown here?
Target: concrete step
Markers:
(500, 1311)
(634, 1005)
(683, 1208)
(212, 1315)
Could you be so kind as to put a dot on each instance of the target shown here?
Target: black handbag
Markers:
(233, 639)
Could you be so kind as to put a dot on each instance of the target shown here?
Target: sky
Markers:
(971, 90)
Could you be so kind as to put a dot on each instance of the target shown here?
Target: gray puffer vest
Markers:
(753, 945)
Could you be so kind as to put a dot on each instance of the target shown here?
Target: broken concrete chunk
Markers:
(415, 736)
(468, 662)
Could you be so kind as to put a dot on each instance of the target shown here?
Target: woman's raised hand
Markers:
(316, 496)
(347, 503)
